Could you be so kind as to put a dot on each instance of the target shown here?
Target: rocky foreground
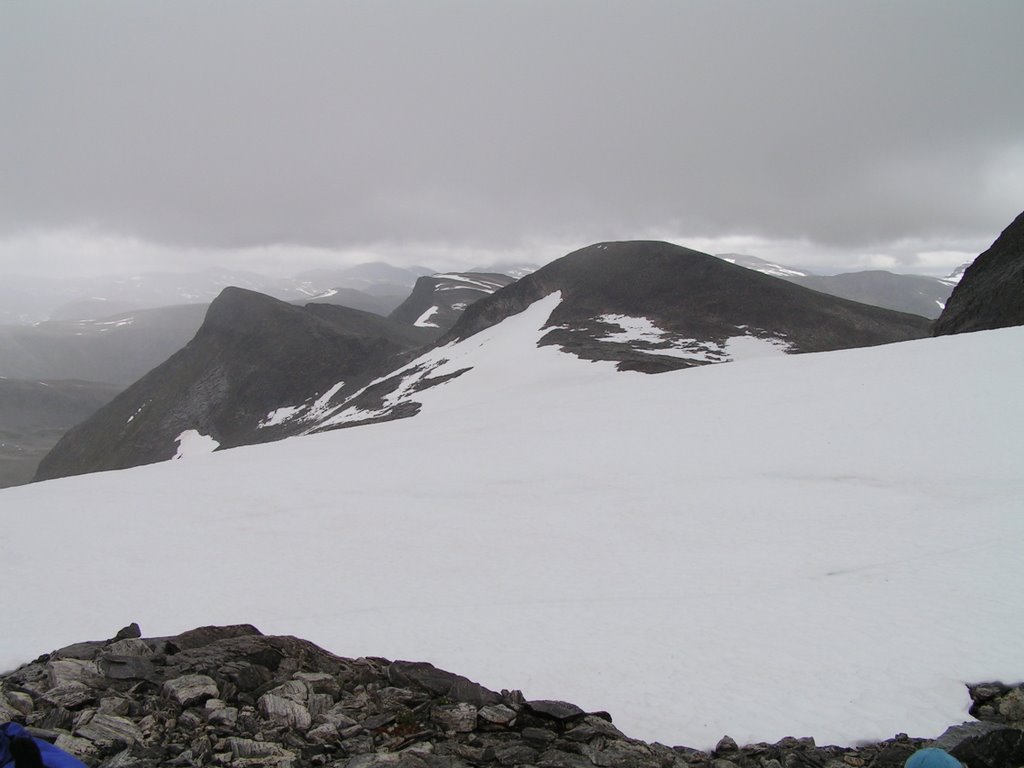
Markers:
(230, 696)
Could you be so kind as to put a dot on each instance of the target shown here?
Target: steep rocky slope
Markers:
(230, 696)
(991, 292)
(252, 355)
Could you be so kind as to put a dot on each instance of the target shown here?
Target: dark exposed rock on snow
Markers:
(230, 696)
(438, 301)
(696, 300)
(252, 355)
(991, 292)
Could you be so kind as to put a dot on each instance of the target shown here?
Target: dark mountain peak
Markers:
(991, 292)
(239, 309)
(253, 356)
(684, 300)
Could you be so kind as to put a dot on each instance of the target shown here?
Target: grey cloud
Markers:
(339, 124)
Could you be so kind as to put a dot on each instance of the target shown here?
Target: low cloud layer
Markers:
(852, 132)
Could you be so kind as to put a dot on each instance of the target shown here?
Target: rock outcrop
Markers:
(230, 696)
(991, 292)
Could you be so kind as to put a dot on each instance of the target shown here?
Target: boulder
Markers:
(984, 745)
(190, 689)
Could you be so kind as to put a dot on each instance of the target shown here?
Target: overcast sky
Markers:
(281, 135)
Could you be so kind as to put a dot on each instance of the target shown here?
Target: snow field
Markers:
(816, 545)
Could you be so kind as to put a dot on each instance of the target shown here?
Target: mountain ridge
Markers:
(241, 365)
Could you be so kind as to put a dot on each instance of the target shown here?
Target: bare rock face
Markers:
(991, 292)
(230, 696)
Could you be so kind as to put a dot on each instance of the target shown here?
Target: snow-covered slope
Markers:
(824, 545)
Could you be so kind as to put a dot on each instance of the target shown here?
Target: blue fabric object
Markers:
(52, 757)
(932, 758)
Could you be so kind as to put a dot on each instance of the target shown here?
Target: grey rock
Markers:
(129, 647)
(249, 748)
(108, 730)
(984, 745)
(326, 733)
(319, 703)
(284, 711)
(373, 722)
(115, 705)
(592, 727)
(320, 682)
(131, 631)
(457, 718)
(119, 667)
(440, 683)
(65, 671)
(516, 753)
(726, 745)
(293, 690)
(18, 701)
(497, 714)
(1012, 705)
(556, 710)
(83, 651)
(82, 748)
(622, 754)
(388, 759)
(226, 717)
(187, 690)
(538, 737)
(553, 758)
(70, 695)
(337, 717)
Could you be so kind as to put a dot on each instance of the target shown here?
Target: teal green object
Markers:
(932, 758)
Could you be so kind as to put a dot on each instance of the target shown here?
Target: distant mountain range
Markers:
(260, 370)
(647, 306)
(916, 294)
(117, 349)
(28, 300)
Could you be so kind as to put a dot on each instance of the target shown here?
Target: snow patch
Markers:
(192, 443)
(488, 286)
(423, 321)
(280, 416)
